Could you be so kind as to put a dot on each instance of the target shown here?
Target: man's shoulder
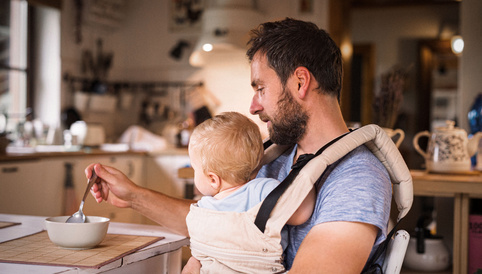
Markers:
(360, 156)
(359, 164)
(279, 167)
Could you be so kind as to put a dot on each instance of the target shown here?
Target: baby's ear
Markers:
(214, 181)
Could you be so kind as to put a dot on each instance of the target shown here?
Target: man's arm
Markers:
(116, 189)
(162, 209)
(335, 247)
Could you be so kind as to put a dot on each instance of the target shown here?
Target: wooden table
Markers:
(461, 188)
(163, 256)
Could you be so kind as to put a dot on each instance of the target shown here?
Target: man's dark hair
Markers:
(289, 44)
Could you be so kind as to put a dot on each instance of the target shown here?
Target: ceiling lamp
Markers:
(457, 44)
(225, 29)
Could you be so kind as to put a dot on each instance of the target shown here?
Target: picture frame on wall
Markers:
(186, 15)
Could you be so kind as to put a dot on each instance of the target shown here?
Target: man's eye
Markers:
(260, 90)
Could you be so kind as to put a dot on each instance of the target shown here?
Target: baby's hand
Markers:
(193, 266)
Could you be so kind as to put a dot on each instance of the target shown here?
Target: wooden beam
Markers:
(339, 29)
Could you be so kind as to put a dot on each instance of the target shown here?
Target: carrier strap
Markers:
(270, 201)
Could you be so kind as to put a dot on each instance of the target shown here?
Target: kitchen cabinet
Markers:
(162, 173)
(27, 188)
(37, 186)
(461, 188)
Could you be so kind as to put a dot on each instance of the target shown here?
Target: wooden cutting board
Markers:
(38, 249)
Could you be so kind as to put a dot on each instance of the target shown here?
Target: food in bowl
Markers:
(77, 235)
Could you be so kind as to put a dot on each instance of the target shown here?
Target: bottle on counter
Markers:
(185, 129)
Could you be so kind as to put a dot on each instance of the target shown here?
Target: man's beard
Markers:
(289, 125)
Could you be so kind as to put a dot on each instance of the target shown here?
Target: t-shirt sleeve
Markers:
(358, 192)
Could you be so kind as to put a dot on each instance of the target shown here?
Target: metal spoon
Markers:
(79, 217)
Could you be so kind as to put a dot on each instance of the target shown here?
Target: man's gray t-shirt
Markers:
(357, 189)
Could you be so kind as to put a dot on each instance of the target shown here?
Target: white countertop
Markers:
(33, 224)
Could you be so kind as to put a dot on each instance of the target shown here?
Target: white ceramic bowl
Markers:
(77, 235)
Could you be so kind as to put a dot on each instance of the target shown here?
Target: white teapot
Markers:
(449, 149)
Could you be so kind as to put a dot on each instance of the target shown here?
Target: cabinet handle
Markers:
(13, 169)
(131, 169)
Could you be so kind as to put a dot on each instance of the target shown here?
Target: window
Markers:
(13, 61)
(29, 69)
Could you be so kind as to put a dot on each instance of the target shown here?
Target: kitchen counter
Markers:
(34, 155)
(12, 157)
(163, 256)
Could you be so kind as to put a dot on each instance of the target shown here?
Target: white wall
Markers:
(470, 83)
(142, 43)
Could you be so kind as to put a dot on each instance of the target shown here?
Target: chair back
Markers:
(396, 252)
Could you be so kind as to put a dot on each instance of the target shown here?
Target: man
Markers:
(296, 75)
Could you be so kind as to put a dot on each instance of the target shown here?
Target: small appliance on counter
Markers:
(88, 134)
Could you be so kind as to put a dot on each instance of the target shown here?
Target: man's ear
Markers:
(214, 181)
(303, 78)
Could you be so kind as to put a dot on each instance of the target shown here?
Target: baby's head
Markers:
(228, 145)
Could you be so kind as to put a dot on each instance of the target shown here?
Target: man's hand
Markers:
(335, 247)
(115, 188)
(118, 190)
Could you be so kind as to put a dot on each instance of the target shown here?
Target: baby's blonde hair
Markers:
(229, 145)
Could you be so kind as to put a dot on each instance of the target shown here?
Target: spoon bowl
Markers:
(79, 216)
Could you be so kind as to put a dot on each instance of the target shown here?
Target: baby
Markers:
(225, 153)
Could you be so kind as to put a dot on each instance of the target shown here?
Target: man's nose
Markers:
(255, 106)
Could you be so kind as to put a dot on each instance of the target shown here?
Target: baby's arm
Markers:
(193, 266)
(304, 211)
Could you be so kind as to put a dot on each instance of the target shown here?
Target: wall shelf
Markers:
(116, 85)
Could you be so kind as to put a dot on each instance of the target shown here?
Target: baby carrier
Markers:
(249, 242)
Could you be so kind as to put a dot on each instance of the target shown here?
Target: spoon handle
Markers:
(91, 181)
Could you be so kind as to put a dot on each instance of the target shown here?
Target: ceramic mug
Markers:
(393, 133)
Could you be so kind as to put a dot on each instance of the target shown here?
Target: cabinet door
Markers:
(55, 178)
(26, 189)
(162, 174)
(131, 165)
